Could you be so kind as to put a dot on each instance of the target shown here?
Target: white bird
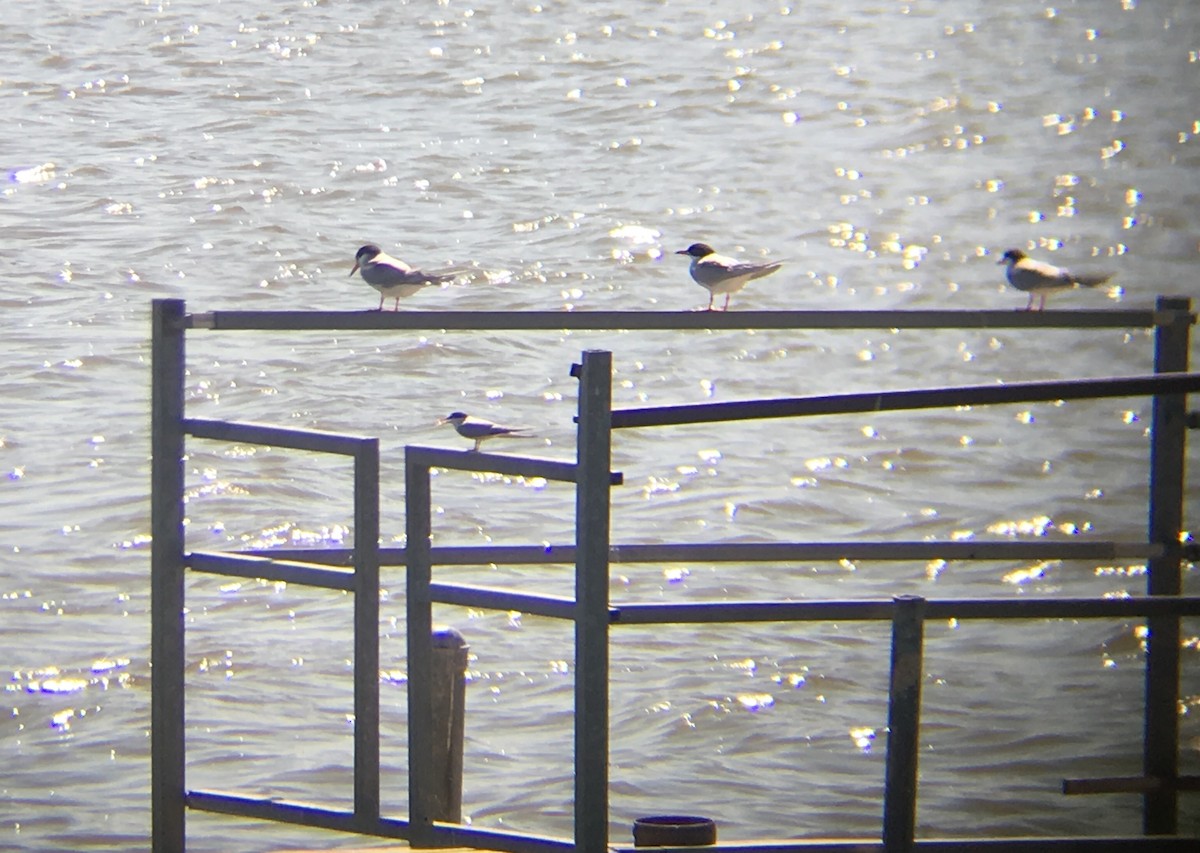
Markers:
(1038, 279)
(478, 429)
(391, 276)
(720, 274)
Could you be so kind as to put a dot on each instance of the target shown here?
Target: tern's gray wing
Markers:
(759, 270)
(484, 429)
(1034, 275)
(715, 270)
(1091, 279)
(385, 275)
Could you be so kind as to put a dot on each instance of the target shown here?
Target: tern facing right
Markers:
(391, 276)
(479, 430)
(1038, 279)
(721, 274)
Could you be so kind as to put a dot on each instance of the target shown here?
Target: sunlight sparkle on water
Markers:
(1036, 526)
(755, 701)
(675, 575)
(863, 737)
(1031, 573)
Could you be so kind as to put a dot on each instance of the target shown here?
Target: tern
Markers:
(720, 274)
(478, 429)
(391, 276)
(1038, 279)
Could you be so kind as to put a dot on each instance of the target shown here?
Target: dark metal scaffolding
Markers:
(595, 617)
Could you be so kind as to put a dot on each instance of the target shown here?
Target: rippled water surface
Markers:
(236, 154)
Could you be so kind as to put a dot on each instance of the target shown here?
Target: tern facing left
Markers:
(721, 274)
(391, 276)
(479, 430)
(1038, 279)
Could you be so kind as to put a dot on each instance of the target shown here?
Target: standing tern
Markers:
(720, 274)
(1038, 279)
(391, 276)
(478, 429)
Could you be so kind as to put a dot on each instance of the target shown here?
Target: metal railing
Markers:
(594, 615)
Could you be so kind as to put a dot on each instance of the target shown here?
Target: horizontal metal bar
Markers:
(512, 842)
(734, 552)
(806, 845)
(1129, 785)
(745, 552)
(456, 835)
(1062, 608)
(492, 598)
(921, 398)
(246, 566)
(754, 611)
(274, 436)
(671, 320)
(495, 463)
(1078, 844)
(826, 610)
(301, 814)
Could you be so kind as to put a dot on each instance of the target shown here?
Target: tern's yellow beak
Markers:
(353, 271)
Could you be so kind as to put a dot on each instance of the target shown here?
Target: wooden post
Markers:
(448, 692)
(168, 834)
(1168, 445)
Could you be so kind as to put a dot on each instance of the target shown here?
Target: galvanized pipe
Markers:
(167, 782)
(592, 512)
(1168, 455)
(366, 633)
(418, 525)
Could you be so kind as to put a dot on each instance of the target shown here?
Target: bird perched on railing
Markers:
(1038, 279)
(721, 274)
(480, 430)
(391, 276)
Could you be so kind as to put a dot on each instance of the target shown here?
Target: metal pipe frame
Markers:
(739, 552)
(893, 401)
(592, 553)
(298, 321)
(421, 593)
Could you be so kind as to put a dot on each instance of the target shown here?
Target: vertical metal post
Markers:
(904, 714)
(419, 569)
(1168, 444)
(592, 496)
(166, 577)
(366, 633)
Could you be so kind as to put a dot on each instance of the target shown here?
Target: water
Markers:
(236, 155)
